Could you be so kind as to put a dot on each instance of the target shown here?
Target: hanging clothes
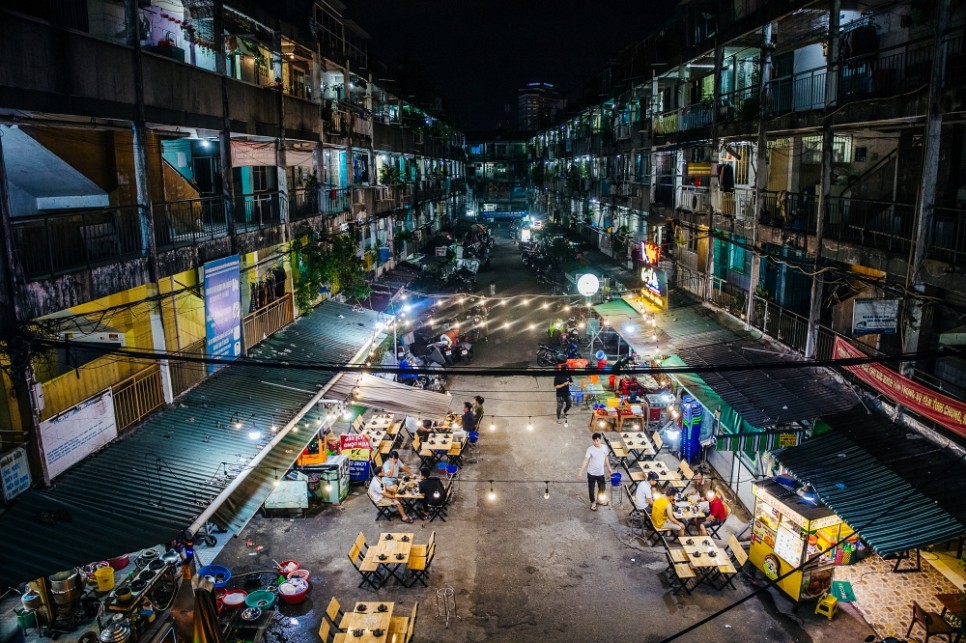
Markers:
(727, 177)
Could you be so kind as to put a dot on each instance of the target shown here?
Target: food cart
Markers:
(787, 531)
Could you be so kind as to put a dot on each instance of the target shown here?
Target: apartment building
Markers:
(798, 164)
(497, 170)
(146, 146)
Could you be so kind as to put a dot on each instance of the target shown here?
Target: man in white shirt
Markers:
(597, 465)
(644, 495)
(383, 495)
(393, 467)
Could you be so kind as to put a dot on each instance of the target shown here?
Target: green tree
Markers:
(334, 263)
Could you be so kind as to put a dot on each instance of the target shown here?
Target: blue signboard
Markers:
(223, 309)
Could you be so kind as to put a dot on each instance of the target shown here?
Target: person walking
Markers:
(597, 465)
(561, 382)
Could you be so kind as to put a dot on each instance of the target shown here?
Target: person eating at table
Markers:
(393, 466)
(644, 494)
(700, 486)
(425, 429)
(717, 513)
(383, 493)
(434, 494)
(477, 410)
(467, 422)
(663, 517)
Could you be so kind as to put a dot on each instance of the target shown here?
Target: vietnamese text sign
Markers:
(223, 309)
(14, 473)
(358, 449)
(650, 253)
(947, 411)
(654, 285)
(874, 316)
(76, 433)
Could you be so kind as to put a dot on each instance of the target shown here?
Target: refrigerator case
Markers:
(334, 474)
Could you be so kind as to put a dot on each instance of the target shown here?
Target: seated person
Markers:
(477, 410)
(699, 485)
(434, 494)
(644, 494)
(662, 516)
(424, 430)
(392, 467)
(717, 513)
(383, 493)
(467, 423)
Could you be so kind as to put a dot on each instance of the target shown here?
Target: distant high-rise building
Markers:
(537, 104)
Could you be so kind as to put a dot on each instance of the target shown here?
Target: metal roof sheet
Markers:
(156, 479)
(895, 502)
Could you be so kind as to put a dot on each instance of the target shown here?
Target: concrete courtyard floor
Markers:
(523, 568)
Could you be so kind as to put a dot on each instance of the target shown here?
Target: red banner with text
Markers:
(947, 411)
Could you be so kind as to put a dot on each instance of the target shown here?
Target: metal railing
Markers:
(185, 374)
(256, 211)
(335, 200)
(798, 92)
(137, 396)
(266, 321)
(303, 203)
(51, 244)
(181, 223)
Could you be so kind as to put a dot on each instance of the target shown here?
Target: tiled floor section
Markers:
(885, 598)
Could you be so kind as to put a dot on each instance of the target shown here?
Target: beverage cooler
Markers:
(334, 478)
(787, 530)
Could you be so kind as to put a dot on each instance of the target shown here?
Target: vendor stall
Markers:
(792, 540)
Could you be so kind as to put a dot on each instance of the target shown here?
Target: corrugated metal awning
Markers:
(151, 483)
(759, 441)
(891, 513)
(380, 393)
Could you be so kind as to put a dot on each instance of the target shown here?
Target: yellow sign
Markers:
(788, 440)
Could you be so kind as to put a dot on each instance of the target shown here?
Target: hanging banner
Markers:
(944, 410)
(78, 432)
(875, 316)
(359, 450)
(654, 286)
(223, 309)
(14, 473)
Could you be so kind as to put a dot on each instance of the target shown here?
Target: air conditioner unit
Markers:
(417, 235)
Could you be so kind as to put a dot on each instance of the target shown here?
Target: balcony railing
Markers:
(182, 223)
(56, 243)
(266, 321)
(256, 211)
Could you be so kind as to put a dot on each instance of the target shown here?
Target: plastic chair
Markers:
(828, 605)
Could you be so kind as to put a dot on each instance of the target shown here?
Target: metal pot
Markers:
(64, 581)
(67, 597)
(31, 601)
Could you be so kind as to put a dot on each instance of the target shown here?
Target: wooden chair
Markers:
(724, 576)
(334, 612)
(657, 442)
(737, 553)
(686, 473)
(680, 576)
(376, 465)
(328, 635)
(713, 529)
(357, 423)
(439, 510)
(368, 578)
(401, 628)
(386, 510)
(649, 534)
(932, 622)
(361, 543)
(419, 566)
(636, 476)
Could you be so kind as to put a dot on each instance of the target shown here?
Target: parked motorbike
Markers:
(548, 355)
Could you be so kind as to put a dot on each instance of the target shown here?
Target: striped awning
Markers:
(759, 441)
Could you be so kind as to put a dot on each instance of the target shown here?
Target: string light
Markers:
(277, 481)
(254, 434)
(492, 494)
(546, 491)
(236, 420)
(529, 424)
(492, 425)
(274, 425)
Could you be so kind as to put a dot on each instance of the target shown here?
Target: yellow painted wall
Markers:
(189, 305)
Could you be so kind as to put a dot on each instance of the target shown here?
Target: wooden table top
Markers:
(394, 546)
(379, 422)
(688, 511)
(660, 468)
(375, 435)
(367, 617)
(438, 441)
(703, 552)
(636, 442)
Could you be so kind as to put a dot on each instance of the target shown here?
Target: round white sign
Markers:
(588, 284)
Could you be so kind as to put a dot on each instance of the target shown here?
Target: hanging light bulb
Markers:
(532, 326)
(274, 425)
(436, 494)
(254, 434)
(328, 486)
(526, 302)
(602, 498)
(529, 424)
(492, 494)
(346, 413)
(545, 305)
(493, 426)
(546, 491)
(277, 481)
(601, 424)
(318, 421)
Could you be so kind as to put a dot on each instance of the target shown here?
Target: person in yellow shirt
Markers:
(662, 516)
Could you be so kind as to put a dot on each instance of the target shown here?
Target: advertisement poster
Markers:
(359, 451)
(14, 473)
(947, 411)
(875, 316)
(76, 433)
(223, 309)
(654, 285)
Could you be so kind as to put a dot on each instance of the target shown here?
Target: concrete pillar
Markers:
(761, 167)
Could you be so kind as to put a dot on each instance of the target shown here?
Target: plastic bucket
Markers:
(105, 578)
(615, 479)
(473, 437)
(451, 469)
(26, 618)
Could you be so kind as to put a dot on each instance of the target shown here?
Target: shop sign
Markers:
(358, 449)
(441, 251)
(14, 473)
(79, 431)
(875, 316)
(223, 309)
(650, 253)
(947, 411)
(788, 440)
(654, 285)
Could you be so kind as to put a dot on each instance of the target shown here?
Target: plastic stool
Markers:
(828, 605)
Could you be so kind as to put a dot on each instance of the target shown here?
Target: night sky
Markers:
(477, 53)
